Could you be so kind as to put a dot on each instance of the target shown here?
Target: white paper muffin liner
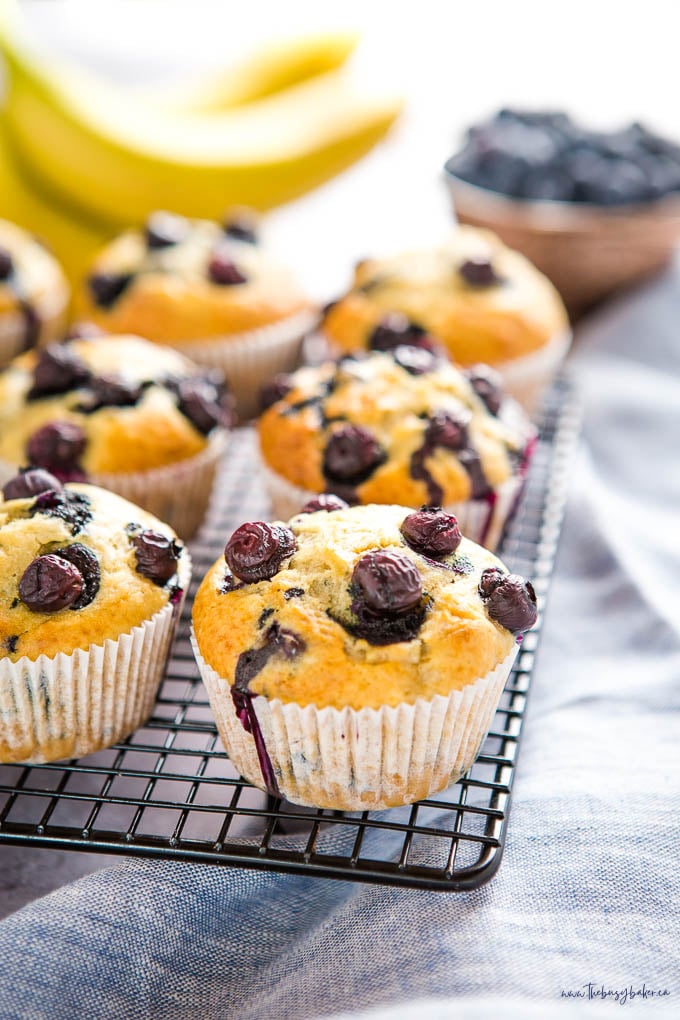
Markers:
(249, 360)
(364, 760)
(52, 312)
(527, 378)
(67, 706)
(482, 520)
(177, 494)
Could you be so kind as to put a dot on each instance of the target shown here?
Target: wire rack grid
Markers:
(169, 791)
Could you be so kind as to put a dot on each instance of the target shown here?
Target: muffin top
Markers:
(360, 607)
(107, 405)
(79, 565)
(182, 280)
(484, 301)
(405, 426)
(32, 283)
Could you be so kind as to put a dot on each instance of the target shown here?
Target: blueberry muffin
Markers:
(206, 288)
(404, 426)
(34, 294)
(354, 657)
(90, 591)
(482, 301)
(127, 414)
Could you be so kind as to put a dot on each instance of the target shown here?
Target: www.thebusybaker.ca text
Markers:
(592, 990)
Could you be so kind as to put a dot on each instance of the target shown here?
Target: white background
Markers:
(608, 61)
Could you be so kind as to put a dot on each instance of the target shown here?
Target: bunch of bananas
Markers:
(79, 159)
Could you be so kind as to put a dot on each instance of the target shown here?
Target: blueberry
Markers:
(88, 565)
(479, 272)
(351, 455)
(510, 601)
(490, 579)
(106, 288)
(31, 483)
(256, 550)
(6, 264)
(50, 583)
(73, 508)
(275, 390)
(199, 400)
(242, 226)
(112, 391)
(164, 229)
(487, 385)
(326, 501)
(394, 330)
(448, 429)
(57, 370)
(223, 271)
(387, 582)
(432, 532)
(157, 555)
(57, 446)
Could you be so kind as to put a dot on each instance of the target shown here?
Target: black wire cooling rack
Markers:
(169, 791)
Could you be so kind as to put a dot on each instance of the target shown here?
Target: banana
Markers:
(271, 69)
(118, 159)
(72, 240)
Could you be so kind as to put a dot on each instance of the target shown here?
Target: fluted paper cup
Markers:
(482, 520)
(528, 378)
(364, 760)
(249, 360)
(67, 706)
(177, 494)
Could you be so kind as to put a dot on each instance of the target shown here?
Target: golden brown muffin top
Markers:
(483, 301)
(406, 426)
(79, 565)
(123, 404)
(360, 607)
(181, 280)
(29, 274)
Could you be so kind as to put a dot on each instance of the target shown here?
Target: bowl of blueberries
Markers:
(595, 211)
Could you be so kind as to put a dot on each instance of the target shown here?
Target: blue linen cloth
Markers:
(589, 890)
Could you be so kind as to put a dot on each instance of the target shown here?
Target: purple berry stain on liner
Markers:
(277, 641)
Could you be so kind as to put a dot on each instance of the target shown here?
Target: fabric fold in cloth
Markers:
(589, 890)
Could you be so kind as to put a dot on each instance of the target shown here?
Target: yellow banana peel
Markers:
(271, 69)
(71, 240)
(118, 160)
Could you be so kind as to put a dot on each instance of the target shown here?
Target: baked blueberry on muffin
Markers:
(400, 427)
(90, 591)
(122, 412)
(34, 293)
(482, 301)
(206, 288)
(354, 657)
